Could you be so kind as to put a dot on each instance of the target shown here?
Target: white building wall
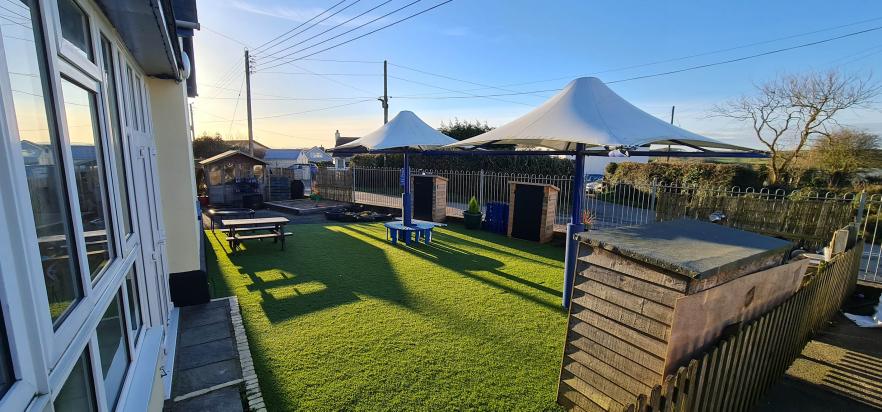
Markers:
(168, 102)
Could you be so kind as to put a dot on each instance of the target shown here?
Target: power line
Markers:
(314, 110)
(313, 25)
(332, 80)
(347, 31)
(293, 98)
(236, 108)
(665, 73)
(332, 28)
(328, 74)
(296, 27)
(452, 78)
(653, 63)
(458, 91)
(223, 35)
(345, 61)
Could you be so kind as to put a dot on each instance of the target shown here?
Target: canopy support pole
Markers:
(575, 226)
(405, 197)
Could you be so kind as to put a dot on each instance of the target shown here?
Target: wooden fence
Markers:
(734, 373)
(334, 184)
(808, 221)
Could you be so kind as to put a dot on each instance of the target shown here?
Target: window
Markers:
(113, 349)
(118, 142)
(75, 26)
(25, 53)
(133, 105)
(80, 107)
(78, 392)
(7, 374)
(134, 300)
(139, 102)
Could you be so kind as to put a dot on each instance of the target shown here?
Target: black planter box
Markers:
(189, 288)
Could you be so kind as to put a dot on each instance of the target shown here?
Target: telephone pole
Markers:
(672, 122)
(384, 100)
(248, 102)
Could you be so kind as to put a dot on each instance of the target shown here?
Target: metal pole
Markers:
(248, 102)
(672, 122)
(385, 99)
(575, 226)
(405, 197)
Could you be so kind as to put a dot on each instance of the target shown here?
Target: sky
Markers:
(460, 48)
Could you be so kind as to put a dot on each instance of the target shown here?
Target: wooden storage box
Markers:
(646, 298)
(429, 197)
(532, 211)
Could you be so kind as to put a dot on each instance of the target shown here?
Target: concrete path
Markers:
(213, 370)
(839, 370)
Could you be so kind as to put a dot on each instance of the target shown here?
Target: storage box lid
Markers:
(689, 247)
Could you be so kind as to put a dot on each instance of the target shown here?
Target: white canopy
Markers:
(587, 111)
(405, 130)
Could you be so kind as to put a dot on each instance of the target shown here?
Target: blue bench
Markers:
(396, 231)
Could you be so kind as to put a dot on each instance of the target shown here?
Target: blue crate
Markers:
(496, 217)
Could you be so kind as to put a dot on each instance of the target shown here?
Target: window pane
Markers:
(7, 374)
(133, 105)
(78, 394)
(114, 350)
(139, 103)
(134, 300)
(24, 48)
(75, 26)
(80, 108)
(118, 145)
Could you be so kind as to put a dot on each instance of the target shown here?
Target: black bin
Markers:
(189, 288)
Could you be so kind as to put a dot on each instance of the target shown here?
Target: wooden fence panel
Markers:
(734, 373)
(334, 184)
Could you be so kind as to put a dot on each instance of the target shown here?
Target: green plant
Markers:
(473, 206)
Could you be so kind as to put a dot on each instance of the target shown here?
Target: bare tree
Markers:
(788, 112)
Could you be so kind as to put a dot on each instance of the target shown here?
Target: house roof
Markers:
(148, 29)
(243, 143)
(227, 154)
(282, 154)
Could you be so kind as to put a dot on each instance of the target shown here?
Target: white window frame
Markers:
(73, 53)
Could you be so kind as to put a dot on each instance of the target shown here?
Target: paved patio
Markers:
(212, 368)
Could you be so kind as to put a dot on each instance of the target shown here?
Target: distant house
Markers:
(33, 153)
(342, 162)
(285, 157)
(290, 157)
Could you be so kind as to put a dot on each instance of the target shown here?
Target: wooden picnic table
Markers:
(274, 225)
(215, 214)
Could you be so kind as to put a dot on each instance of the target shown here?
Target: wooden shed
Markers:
(429, 197)
(646, 298)
(233, 178)
(532, 212)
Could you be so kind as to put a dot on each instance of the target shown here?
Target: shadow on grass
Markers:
(329, 269)
(442, 253)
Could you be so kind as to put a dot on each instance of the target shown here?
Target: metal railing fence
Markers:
(807, 217)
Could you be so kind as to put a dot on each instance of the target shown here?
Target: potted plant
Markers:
(472, 216)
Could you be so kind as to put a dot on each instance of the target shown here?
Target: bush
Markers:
(700, 174)
(473, 206)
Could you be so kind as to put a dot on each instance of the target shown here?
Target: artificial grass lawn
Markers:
(344, 320)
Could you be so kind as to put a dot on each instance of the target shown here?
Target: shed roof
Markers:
(689, 247)
(227, 154)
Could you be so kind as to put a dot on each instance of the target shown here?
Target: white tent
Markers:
(405, 130)
(587, 115)
(586, 111)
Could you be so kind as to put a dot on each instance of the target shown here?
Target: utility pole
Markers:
(672, 122)
(384, 100)
(248, 102)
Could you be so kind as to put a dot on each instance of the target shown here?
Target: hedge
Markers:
(700, 174)
(544, 165)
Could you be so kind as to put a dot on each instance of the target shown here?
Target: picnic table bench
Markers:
(215, 214)
(274, 225)
(399, 231)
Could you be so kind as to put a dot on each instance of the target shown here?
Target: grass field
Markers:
(343, 320)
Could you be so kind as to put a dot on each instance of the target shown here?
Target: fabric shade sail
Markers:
(404, 131)
(588, 112)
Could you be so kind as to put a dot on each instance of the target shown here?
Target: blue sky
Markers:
(502, 43)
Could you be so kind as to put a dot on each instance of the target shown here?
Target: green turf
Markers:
(343, 320)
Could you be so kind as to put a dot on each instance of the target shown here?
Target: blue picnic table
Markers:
(397, 230)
